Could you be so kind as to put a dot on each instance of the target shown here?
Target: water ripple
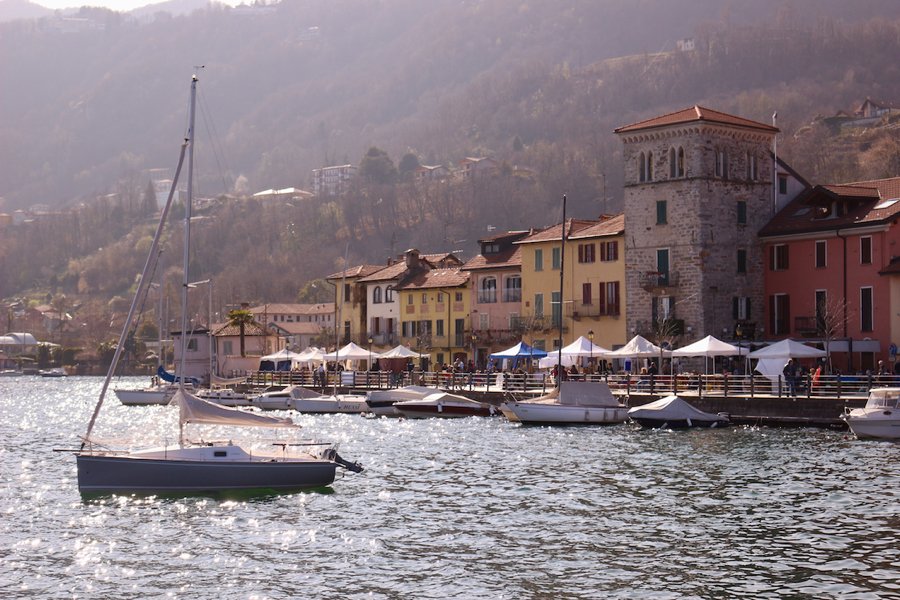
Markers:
(466, 508)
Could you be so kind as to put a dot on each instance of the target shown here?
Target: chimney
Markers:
(412, 258)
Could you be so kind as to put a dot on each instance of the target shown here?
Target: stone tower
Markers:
(698, 188)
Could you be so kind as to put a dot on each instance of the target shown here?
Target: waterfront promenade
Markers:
(754, 400)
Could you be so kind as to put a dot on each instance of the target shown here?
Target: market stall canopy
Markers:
(311, 354)
(708, 346)
(583, 347)
(282, 360)
(520, 350)
(400, 351)
(349, 352)
(786, 349)
(638, 347)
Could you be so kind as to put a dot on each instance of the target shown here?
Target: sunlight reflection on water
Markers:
(460, 509)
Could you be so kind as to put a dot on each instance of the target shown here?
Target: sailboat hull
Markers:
(134, 474)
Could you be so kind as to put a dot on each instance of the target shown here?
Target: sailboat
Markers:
(200, 466)
(571, 402)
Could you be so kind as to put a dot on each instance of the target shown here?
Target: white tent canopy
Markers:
(583, 347)
(580, 348)
(638, 347)
(281, 355)
(349, 352)
(786, 349)
(708, 346)
(311, 354)
(400, 351)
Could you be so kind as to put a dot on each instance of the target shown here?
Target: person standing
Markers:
(790, 376)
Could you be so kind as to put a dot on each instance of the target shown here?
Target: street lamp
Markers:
(591, 340)
(370, 340)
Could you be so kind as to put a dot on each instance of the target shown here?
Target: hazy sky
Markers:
(121, 5)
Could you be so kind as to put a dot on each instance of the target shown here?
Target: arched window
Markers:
(376, 295)
(672, 170)
(680, 162)
(487, 292)
(649, 166)
(721, 163)
(752, 167)
(389, 294)
(642, 167)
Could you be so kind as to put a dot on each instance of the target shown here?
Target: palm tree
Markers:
(240, 318)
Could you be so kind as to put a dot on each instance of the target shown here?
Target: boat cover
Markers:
(671, 408)
(198, 410)
(580, 393)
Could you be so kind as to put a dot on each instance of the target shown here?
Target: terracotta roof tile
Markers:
(866, 203)
(554, 232)
(695, 114)
(437, 278)
(609, 226)
(293, 309)
(357, 271)
(509, 258)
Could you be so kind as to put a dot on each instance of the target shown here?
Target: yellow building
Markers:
(350, 303)
(593, 284)
(435, 315)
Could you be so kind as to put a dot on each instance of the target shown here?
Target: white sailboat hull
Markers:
(147, 396)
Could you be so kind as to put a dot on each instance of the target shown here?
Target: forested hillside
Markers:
(537, 86)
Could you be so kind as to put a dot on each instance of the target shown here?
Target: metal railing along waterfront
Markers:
(689, 384)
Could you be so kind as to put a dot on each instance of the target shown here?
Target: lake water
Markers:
(471, 508)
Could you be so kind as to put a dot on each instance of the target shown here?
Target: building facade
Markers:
(698, 188)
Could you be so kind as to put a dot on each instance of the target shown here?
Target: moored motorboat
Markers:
(224, 396)
(305, 400)
(673, 412)
(381, 402)
(880, 418)
(573, 403)
(54, 372)
(442, 404)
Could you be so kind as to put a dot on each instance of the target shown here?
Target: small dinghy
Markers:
(673, 412)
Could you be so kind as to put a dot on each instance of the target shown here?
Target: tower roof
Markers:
(696, 113)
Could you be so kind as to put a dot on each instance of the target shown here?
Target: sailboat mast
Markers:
(189, 140)
(562, 267)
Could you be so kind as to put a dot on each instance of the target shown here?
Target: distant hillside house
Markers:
(431, 173)
(469, 167)
(321, 314)
(332, 181)
(685, 45)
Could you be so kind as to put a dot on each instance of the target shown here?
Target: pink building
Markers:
(827, 274)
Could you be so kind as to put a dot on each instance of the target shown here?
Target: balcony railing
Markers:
(808, 326)
(487, 296)
(653, 280)
(512, 295)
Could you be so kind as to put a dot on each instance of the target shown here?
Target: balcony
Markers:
(487, 296)
(512, 295)
(655, 280)
(808, 326)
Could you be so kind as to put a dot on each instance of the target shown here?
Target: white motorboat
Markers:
(54, 372)
(673, 412)
(880, 418)
(200, 466)
(224, 396)
(155, 393)
(442, 404)
(305, 400)
(381, 402)
(573, 403)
